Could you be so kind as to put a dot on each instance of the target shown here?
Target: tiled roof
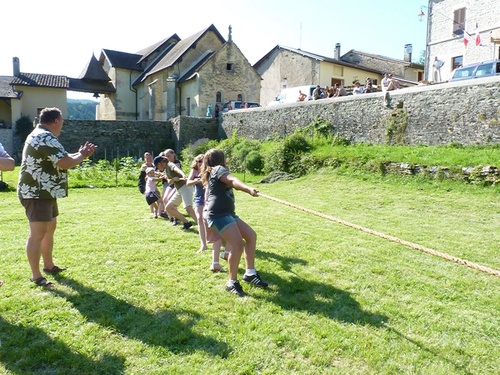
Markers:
(380, 57)
(89, 85)
(312, 56)
(6, 90)
(157, 47)
(94, 71)
(40, 80)
(186, 75)
(122, 60)
(180, 48)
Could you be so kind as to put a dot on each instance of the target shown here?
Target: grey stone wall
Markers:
(187, 130)
(118, 138)
(133, 138)
(465, 112)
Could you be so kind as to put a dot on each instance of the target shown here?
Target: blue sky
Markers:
(60, 36)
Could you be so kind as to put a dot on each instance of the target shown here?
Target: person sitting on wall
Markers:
(357, 88)
(317, 93)
(302, 96)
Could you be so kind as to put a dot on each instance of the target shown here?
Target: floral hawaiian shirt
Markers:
(40, 177)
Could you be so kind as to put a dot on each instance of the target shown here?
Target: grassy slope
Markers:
(138, 299)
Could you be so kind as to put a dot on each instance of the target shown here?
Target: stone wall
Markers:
(187, 130)
(118, 138)
(465, 112)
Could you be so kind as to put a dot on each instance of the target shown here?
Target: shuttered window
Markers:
(459, 21)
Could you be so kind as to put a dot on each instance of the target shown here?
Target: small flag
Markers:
(478, 36)
(466, 40)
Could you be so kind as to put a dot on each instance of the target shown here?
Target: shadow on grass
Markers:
(316, 298)
(29, 350)
(300, 294)
(164, 328)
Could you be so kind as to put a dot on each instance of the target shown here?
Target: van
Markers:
(477, 70)
(291, 94)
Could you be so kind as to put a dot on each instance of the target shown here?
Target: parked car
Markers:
(477, 70)
(238, 104)
(291, 94)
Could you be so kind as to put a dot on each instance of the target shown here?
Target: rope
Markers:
(390, 238)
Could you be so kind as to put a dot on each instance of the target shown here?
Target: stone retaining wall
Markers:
(464, 112)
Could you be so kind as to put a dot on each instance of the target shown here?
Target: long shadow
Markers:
(316, 298)
(163, 329)
(297, 293)
(29, 350)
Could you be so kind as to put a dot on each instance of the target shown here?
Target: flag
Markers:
(466, 40)
(478, 36)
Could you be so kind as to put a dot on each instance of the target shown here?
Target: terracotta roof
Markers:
(122, 60)
(40, 80)
(6, 90)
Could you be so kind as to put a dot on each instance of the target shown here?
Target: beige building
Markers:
(26, 94)
(453, 27)
(177, 77)
(285, 67)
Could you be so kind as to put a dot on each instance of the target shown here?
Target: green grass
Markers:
(137, 299)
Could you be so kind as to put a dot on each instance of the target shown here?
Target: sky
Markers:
(59, 36)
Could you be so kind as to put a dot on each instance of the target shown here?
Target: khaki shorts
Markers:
(40, 209)
(184, 195)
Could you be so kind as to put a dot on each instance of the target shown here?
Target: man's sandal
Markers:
(42, 281)
(54, 270)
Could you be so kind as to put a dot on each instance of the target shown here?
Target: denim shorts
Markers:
(221, 223)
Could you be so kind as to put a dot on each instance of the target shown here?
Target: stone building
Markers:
(284, 67)
(461, 33)
(177, 77)
(403, 69)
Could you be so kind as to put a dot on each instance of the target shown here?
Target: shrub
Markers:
(24, 126)
(199, 147)
(254, 163)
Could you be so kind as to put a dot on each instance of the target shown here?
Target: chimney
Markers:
(16, 66)
(336, 52)
(408, 51)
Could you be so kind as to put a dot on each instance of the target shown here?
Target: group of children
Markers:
(209, 186)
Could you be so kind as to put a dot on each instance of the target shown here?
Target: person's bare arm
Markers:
(76, 158)
(233, 182)
(7, 163)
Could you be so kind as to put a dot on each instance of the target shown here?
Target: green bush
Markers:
(24, 126)
(240, 152)
(199, 147)
(254, 163)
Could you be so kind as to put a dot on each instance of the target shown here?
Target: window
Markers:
(240, 97)
(218, 97)
(188, 106)
(229, 67)
(457, 62)
(459, 21)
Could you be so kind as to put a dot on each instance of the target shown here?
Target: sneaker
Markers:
(236, 288)
(187, 225)
(255, 280)
(164, 215)
(175, 222)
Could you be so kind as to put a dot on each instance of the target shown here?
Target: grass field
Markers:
(137, 299)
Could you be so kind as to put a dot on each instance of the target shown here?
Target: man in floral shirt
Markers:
(42, 179)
